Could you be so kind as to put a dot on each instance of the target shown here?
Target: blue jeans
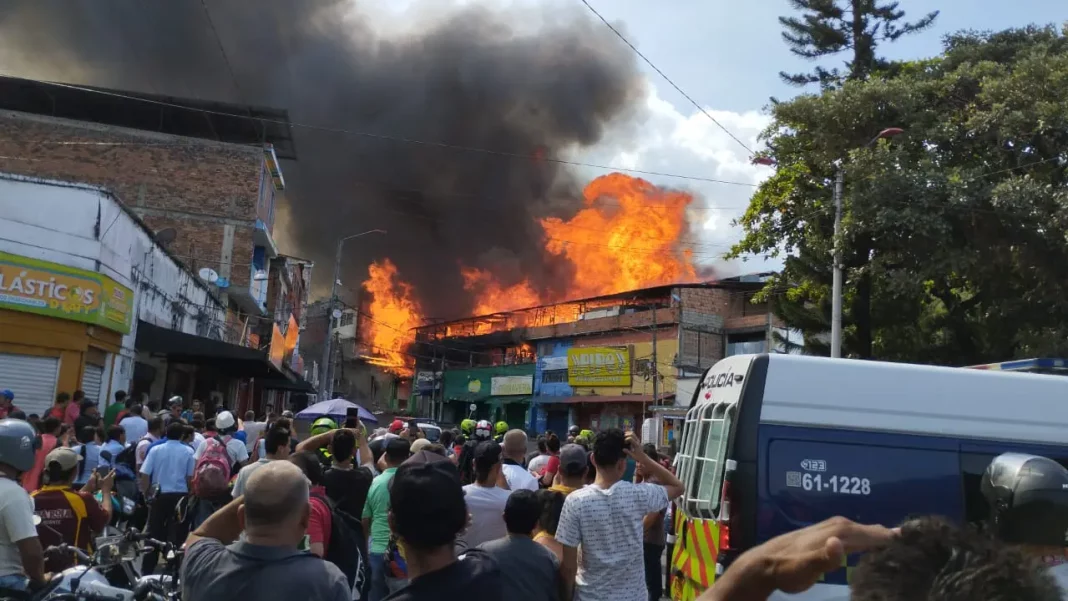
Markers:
(379, 590)
(14, 582)
(382, 584)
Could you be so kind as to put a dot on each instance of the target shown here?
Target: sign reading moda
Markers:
(44, 288)
(598, 366)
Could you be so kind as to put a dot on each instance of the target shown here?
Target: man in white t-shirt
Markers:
(252, 430)
(485, 498)
(226, 426)
(606, 519)
(20, 549)
(515, 451)
(155, 431)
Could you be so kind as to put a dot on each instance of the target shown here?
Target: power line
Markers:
(666, 78)
(384, 137)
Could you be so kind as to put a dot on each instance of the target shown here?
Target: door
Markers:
(92, 378)
(32, 379)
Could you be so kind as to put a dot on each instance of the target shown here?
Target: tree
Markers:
(829, 27)
(955, 233)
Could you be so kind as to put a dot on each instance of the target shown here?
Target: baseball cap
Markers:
(175, 400)
(396, 426)
(420, 444)
(572, 459)
(424, 457)
(487, 453)
(7, 394)
(66, 458)
(87, 404)
(224, 420)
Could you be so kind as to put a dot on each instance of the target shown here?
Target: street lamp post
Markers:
(836, 278)
(326, 383)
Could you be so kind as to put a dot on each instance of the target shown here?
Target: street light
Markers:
(326, 385)
(836, 281)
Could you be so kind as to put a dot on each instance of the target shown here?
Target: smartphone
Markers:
(102, 471)
(352, 417)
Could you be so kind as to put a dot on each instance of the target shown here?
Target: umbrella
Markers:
(336, 408)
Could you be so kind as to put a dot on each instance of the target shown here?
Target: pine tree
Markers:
(830, 27)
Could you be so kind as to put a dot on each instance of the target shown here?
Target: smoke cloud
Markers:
(466, 77)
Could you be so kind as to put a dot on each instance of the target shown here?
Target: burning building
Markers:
(600, 362)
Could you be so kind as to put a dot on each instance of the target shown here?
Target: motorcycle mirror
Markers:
(106, 455)
(36, 520)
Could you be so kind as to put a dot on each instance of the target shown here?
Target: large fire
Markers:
(626, 237)
(394, 312)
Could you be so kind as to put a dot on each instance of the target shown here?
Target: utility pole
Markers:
(836, 283)
(326, 384)
(656, 371)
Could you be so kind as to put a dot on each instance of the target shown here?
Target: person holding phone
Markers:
(70, 516)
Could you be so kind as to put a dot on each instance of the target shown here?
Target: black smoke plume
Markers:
(465, 77)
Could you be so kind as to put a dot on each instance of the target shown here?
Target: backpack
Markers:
(127, 458)
(347, 544)
(211, 474)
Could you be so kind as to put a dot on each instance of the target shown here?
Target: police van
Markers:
(773, 443)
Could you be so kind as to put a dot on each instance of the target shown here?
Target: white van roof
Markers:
(915, 399)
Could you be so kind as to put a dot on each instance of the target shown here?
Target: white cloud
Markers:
(689, 143)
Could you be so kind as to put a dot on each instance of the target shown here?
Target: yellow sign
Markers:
(55, 290)
(598, 366)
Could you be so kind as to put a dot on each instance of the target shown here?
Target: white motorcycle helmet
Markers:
(483, 430)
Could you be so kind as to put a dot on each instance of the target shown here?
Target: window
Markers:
(704, 439)
(346, 319)
(554, 376)
(972, 467)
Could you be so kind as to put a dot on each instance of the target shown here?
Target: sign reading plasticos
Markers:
(44, 288)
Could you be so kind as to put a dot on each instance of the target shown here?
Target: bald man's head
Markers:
(275, 494)
(515, 445)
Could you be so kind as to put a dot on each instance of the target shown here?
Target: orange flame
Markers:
(627, 237)
(394, 312)
(494, 298)
(628, 244)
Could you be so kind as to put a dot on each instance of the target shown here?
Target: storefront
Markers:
(60, 329)
(499, 393)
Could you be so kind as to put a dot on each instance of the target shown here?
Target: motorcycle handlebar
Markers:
(83, 596)
(65, 548)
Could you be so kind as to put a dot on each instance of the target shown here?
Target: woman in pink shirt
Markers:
(50, 428)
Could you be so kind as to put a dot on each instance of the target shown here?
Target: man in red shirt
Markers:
(69, 516)
(59, 410)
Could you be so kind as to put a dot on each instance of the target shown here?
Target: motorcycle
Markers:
(110, 574)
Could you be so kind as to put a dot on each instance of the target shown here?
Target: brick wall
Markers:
(195, 186)
(638, 319)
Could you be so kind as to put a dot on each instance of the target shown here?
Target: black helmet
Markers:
(18, 444)
(574, 430)
(1028, 497)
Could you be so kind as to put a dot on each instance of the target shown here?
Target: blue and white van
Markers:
(773, 443)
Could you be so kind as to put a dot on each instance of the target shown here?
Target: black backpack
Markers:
(128, 457)
(347, 544)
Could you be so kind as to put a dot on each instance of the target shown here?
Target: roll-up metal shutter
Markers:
(32, 379)
(91, 379)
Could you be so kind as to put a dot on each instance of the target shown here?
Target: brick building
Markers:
(601, 362)
(205, 175)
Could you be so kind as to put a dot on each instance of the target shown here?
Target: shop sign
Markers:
(54, 290)
(553, 363)
(598, 366)
(426, 381)
(511, 385)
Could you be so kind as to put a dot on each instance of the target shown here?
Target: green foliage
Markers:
(956, 232)
(829, 27)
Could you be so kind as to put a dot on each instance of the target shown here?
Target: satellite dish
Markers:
(222, 283)
(208, 275)
(166, 235)
(260, 275)
(337, 313)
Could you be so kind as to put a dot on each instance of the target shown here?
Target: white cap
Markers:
(224, 420)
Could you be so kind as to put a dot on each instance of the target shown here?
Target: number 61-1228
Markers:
(841, 485)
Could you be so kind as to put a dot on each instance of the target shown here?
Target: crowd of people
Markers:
(348, 513)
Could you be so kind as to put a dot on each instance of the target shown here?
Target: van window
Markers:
(705, 438)
(972, 467)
